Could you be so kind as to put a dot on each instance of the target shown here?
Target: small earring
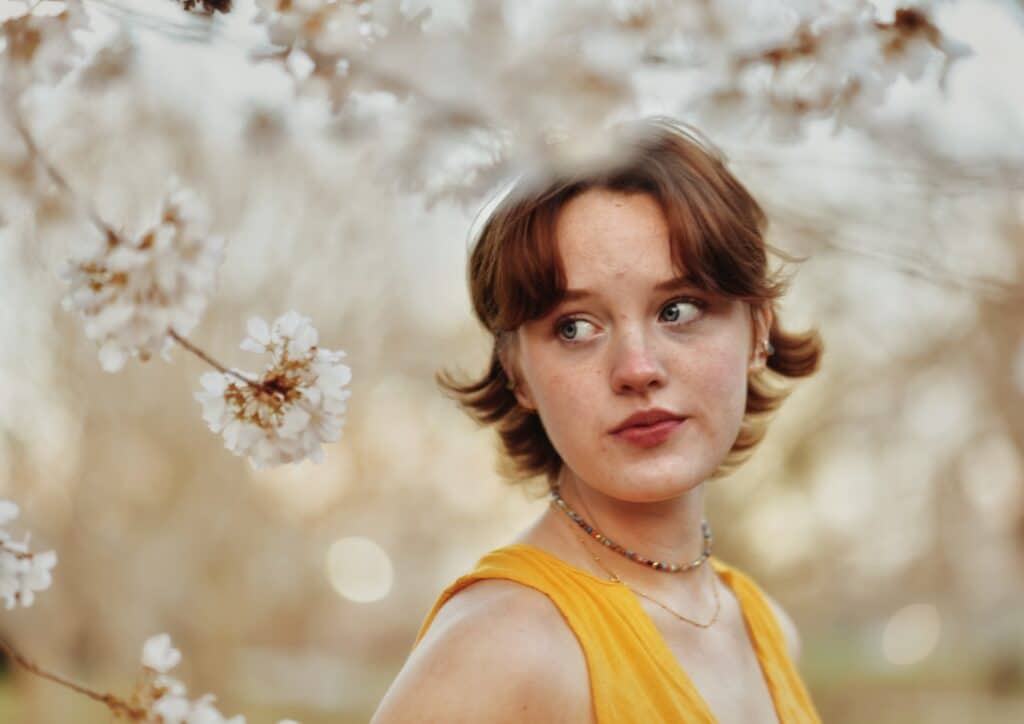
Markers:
(510, 385)
(768, 348)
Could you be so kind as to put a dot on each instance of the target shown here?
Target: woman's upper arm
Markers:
(488, 656)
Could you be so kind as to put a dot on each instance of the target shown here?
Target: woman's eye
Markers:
(680, 316)
(571, 329)
(675, 312)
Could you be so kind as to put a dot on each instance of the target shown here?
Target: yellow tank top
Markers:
(613, 628)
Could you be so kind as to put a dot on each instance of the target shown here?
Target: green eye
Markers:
(570, 325)
(696, 303)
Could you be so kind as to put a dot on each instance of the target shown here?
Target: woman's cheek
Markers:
(727, 389)
(570, 401)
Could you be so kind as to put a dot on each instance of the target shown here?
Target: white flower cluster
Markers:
(21, 573)
(165, 698)
(322, 26)
(295, 405)
(530, 69)
(818, 59)
(132, 292)
(40, 48)
(319, 36)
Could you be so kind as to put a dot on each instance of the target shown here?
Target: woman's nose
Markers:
(636, 365)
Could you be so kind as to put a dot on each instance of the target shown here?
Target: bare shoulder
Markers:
(789, 629)
(497, 651)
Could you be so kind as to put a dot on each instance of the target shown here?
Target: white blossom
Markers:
(165, 699)
(174, 709)
(132, 292)
(285, 414)
(40, 47)
(159, 655)
(22, 573)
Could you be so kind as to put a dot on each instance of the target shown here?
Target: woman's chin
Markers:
(646, 486)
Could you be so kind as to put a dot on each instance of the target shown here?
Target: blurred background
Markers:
(884, 510)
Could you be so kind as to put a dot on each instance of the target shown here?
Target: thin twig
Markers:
(56, 175)
(16, 553)
(113, 702)
(210, 360)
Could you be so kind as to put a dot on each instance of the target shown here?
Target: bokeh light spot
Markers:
(359, 569)
(911, 634)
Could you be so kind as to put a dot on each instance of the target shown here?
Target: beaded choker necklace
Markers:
(631, 555)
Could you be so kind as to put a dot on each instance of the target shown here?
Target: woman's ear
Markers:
(762, 317)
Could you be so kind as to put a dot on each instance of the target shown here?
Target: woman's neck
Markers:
(668, 531)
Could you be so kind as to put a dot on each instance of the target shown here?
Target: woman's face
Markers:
(629, 342)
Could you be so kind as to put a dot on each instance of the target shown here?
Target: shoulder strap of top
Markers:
(531, 567)
(755, 605)
(792, 700)
(629, 682)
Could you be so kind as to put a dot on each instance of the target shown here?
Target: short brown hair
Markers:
(716, 232)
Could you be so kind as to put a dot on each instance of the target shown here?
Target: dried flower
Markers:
(294, 406)
(132, 292)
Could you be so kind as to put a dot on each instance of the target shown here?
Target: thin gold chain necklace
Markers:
(615, 579)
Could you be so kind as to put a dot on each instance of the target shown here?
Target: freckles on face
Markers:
(570, 400)
(635, 343)
(720, 368)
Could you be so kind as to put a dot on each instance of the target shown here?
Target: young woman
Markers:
(637, 355)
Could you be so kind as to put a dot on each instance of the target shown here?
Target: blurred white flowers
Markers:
(295, 405)
(529, 69)
(21, 573)
(164, 700)
(39, 47)
(132, 292)
(833, 60)
(319, 26)
(318, 38)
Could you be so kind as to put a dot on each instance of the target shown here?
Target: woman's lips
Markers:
(649, 435)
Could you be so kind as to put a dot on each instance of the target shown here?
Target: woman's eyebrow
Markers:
(680, 282)
(675, 283)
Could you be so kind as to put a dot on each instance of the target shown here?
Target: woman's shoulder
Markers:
(499, 602)
(496, 651)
